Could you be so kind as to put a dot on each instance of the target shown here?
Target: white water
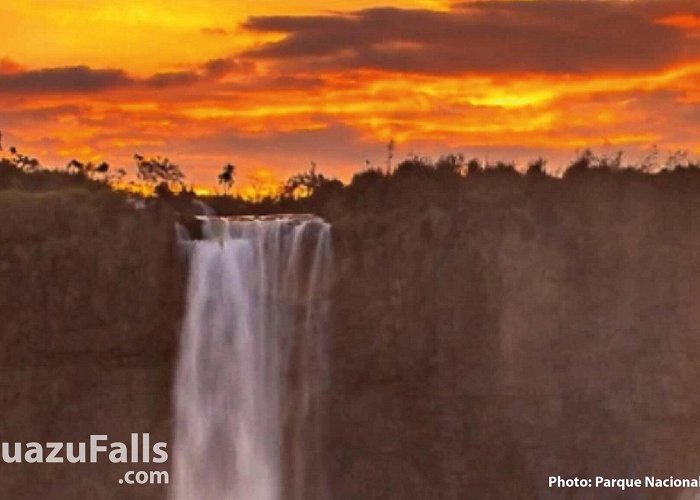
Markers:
(251, 370)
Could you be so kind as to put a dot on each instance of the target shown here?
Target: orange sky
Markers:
(274, 85)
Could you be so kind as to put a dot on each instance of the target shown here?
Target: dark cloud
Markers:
(18, 117)
(209, 70)
(83, 79)
(63, 80)
(170, 79)
(216, 68)
(549, 36)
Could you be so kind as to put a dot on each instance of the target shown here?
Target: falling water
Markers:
(251, 370)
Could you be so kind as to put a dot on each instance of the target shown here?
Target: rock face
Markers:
(534, 328)
(90, 301)
(518, 328)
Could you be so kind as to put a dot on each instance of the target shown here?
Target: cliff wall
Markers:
(522, 328)
(90, 299)
(484, 336)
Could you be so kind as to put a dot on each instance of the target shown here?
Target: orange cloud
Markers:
(503, 78)
(8, 66)
(684, 21)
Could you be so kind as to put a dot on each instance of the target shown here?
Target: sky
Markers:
(273, 85)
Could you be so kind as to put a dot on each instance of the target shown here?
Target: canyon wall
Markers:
(527, 327)
(90, 299)
(484, 336)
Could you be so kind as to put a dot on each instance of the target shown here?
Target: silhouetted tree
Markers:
(584, 161)
(474, 166)
(613, 162)
(227, 177)
(158, 171)
(304, 183)
(390, 150)
(677, 159)
(536, 167)
(650, 161)
(414, 166)
(502, 166)
(260, 188)
(368, 177)
(89, 169)
(24, 162)
(450, 164)
(162, 190)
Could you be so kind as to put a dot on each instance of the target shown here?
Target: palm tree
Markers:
(227, 177)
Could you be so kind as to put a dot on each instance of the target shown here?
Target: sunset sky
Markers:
(273, 85)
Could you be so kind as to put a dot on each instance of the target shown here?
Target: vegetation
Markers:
(227, 177)
(25, 173)
(416, 181)
(160, 174)
(307, 184)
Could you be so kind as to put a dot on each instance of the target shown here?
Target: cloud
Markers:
(63, 80)
(170, 79)
(22, 116)
(83, 79)
(279, 83)
(327, 141)
(219, 67)
(9, 66)
(207, 71)
(546, 36)
(335, 144)
(502, 79)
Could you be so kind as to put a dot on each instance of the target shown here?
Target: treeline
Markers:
(451, 181)
(415, 181)
(156, 175)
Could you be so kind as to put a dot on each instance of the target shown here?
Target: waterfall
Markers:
(251, 370)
